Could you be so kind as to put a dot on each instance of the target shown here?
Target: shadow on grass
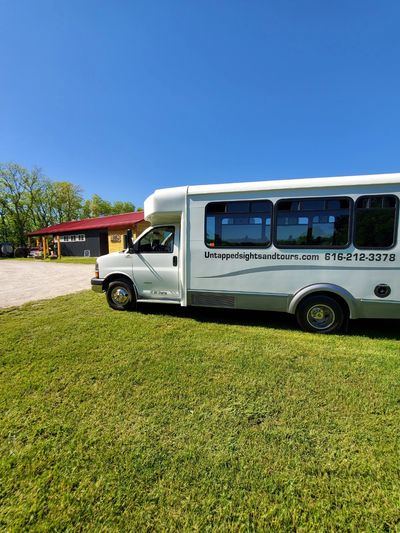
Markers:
(373, 328)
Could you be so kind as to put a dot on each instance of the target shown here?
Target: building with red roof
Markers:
(90, 237)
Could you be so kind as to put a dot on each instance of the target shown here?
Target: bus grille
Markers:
(206, 299)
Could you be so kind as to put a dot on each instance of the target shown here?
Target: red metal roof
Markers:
(112, 221)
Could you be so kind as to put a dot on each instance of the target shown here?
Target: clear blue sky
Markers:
(122, 97)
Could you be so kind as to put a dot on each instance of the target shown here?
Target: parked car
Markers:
(35, 252)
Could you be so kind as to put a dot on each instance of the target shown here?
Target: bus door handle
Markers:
(175, 261)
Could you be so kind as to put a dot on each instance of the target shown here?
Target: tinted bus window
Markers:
(375, 221)
(313, 222)
(238, 224)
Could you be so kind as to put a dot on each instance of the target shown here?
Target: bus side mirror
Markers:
(128, 241)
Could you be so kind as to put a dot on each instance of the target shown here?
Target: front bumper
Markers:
(97, 284)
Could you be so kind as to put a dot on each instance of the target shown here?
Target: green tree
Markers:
(16, 187)
(66, 200)
(30, 201)
(122, 207)
(97, 207)
(41, 201)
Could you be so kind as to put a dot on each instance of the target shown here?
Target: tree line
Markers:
(30, 201)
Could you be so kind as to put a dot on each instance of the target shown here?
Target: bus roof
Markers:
(167, 204)
(303, 183)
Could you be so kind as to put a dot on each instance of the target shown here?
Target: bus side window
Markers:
(238, 224)
(375, 221)
(313, 222)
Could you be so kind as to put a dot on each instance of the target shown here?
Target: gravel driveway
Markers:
(25, 281)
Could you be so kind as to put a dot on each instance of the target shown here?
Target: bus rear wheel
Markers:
(320, 314)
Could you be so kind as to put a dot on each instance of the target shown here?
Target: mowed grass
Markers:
(174, 420)
(74, 259)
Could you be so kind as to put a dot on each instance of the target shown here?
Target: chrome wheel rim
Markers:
(321, 316)
(120, 296)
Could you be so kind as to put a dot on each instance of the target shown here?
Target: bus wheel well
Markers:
(115, 277)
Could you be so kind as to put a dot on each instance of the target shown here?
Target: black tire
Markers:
(6, 250)
(320, 314)
(21, 251)
(121, 296)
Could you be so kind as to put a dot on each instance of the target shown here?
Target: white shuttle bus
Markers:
(325, 250)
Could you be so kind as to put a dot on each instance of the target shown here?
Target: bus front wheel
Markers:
(121, 296)
(320, 314)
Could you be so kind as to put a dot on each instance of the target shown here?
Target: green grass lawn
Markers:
(166, 420)
(79, 260)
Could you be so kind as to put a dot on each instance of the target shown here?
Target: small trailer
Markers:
(323, 249)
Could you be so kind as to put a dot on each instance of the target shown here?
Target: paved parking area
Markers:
(26, 281)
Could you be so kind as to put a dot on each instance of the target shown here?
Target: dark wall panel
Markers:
(77, 248)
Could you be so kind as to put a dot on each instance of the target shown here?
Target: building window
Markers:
(238, 224)
(313, 222)
(375, 221)
(73, 238)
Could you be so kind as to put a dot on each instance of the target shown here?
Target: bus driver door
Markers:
(155, 264)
